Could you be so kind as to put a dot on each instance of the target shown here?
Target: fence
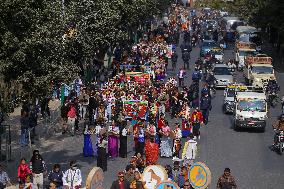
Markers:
(5, 143)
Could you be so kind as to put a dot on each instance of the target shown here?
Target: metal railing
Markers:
(5, 138)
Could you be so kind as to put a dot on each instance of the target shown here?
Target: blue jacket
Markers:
(205, 103)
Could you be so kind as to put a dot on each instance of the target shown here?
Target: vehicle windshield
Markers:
(221, 71)
(252, 105)
(231, 93)
(246, 53)
(262, 70)
(211, 22)
(209, 44)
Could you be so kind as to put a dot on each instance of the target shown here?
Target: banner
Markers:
(129, 106)
(137, 77)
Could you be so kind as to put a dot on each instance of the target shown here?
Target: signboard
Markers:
(246, 45)
(258, 60)
(199, 175)
(137, 76)
(153, 175)
(167, 185)
(128, 107)
(95, 179)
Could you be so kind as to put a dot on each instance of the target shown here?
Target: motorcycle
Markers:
(272, 99)
(280, 141)
(212, 90)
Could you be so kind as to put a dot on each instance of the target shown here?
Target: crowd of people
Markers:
(132, 104)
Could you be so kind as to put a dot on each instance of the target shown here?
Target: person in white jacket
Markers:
(72, 177)
(190, 150)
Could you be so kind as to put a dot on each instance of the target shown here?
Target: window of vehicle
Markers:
(247, 53)
(262, 70)
(252, 105)
(231, 92)
(221, 71)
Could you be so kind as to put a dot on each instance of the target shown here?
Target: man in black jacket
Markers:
(120, 183)
(37, 168)
(174, 59)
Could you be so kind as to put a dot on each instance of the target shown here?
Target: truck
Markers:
(249, 34)
(250, 110)
(258, 71)
(228, 26)
(242, 50)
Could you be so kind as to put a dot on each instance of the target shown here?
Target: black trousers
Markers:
(123, 147)
(140, 148)
(102, 158)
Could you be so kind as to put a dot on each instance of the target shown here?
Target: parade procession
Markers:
(190, 99)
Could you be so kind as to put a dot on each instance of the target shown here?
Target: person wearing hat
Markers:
(190, 150)
(120, 183)
(72, 178)
(226, 180)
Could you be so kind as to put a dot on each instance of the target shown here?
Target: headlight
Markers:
(261, 118)
(229, 102)
(257, 80)
(239, 117)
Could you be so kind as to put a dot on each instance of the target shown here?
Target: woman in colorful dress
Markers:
(113, 137)
(88, 146)
(165, 147)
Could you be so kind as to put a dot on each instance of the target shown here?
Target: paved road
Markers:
(247, 153)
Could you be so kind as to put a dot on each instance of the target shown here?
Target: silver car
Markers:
(223, 75)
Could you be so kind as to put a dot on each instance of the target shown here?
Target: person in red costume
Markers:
(23, 170)
(151, 152)
(196, 121)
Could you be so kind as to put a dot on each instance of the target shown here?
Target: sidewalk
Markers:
(17, 150)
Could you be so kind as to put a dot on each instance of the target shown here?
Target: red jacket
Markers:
(23, 171)
(161, 123)
(196, 117)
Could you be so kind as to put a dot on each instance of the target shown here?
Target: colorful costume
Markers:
(151, 152)
(113, 141)
(88, 146)
(165, 147)
(177, 142)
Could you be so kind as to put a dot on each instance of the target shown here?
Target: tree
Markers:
(32, 48)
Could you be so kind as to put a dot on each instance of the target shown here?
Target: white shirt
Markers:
(124, 132)
(72, 178)
(191, 149)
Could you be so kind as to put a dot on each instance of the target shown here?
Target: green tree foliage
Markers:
(34, 52)
(32, 48)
